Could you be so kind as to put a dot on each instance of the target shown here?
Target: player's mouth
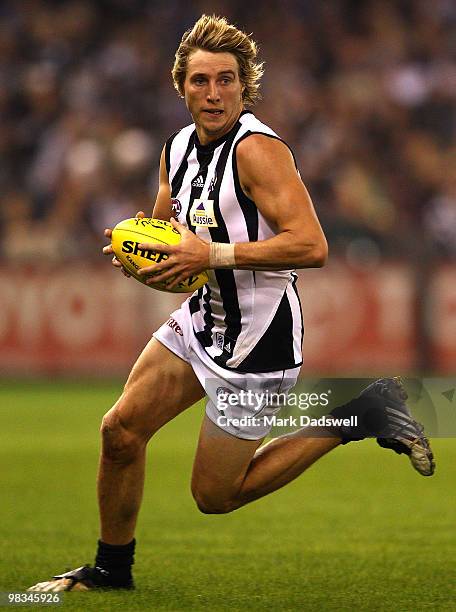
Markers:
(215, 112)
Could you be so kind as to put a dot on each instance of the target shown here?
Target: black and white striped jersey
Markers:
(246, 321)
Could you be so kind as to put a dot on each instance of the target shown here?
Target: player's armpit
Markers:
(268, 176)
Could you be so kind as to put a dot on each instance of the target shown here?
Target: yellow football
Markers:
(130, 233)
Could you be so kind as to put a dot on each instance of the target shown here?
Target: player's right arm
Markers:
(162, 209)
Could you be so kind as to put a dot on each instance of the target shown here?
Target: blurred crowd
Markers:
(364, 92)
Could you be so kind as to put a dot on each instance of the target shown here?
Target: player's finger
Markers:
(178, 226)
(157, 247)
(117, 264)
(156, 275)
(140, 215)
(162, 275)
(157, 268)
(159, 278)
(108, 232)
(107, 250)
(175, 281)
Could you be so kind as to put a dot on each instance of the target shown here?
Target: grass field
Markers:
(360, 530)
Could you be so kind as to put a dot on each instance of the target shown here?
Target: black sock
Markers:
(372, 419)
(117, 561)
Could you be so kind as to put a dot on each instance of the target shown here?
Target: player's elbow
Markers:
(313, 254)
(320, 254)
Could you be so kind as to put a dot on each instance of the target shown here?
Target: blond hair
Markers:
(215, 34)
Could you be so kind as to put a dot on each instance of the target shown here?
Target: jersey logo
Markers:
(222, 342)
(202, 214)
(198, 181)
(176, 207)
(219, 340)
(213, 182)
(175, 326)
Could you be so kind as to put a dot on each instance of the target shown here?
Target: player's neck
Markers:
(207, 137)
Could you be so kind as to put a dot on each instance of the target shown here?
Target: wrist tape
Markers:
(221, 255)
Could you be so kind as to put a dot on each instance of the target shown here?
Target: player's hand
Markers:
(107, 250)
(188, 258)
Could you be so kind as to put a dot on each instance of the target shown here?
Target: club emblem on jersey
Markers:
(202, 214)
(176, 207)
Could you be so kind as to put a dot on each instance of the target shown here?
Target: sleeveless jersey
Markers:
(246, 321)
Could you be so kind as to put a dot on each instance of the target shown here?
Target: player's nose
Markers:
(213, 92)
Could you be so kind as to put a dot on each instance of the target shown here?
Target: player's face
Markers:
(213, 93)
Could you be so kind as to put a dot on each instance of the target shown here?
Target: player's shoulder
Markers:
(260, 148)
(260, 144)
(258, 141)
(252, 129)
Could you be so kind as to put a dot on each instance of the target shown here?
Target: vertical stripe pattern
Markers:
(246, 321)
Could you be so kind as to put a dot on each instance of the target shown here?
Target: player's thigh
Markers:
(160, 386)
(221, 464)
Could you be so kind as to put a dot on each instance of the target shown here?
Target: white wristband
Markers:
(221, 255)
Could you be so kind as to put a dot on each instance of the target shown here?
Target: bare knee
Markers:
(210, 504)
(207, 505)
(119, 444)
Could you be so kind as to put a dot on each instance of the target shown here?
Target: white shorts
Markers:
(240, 404)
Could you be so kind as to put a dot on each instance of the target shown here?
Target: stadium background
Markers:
(364, 92)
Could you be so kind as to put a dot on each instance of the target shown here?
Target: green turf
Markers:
(360, 530)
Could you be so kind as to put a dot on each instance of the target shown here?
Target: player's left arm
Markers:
(268, 176)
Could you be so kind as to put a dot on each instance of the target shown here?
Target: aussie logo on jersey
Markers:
(202, 214)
